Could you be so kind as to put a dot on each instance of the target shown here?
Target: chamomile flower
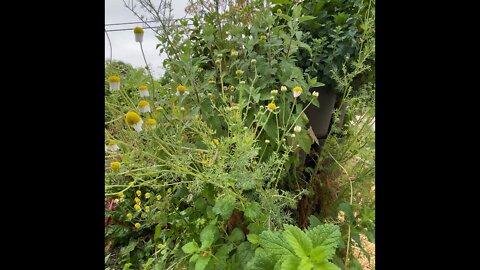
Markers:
(116, 200)
(181, 89)
(121, 195)
(279, 11)
(130, 183)
(293, 135)
(139, 193)
(147, 195)
(232, 87)
(242, 82)
(234, 53)
(129, 215)
(267, 141)
(114, 82)
(297, 91)
(239, 72)
(137, 225)
(134, 120)
(138, 34)
(262, 39)
(315, 94)
(137, 207)
(283, 88)
(112, 146)
(144, 106)
(147, 208)
(159, 197)
(274, 92)
(152, 123)
(115, 165)
(143, 91)
(271, 107)
(137, 200)
(253, 61)
(143, 215)
(297, 129)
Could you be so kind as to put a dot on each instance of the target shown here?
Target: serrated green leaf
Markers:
(202, 262)
(223, 251)
(306, 18)
(304, 140)
(252, 238)
(321, 254)
(275, 244)
(326, 266)
(207, 236)
(313, 221)
(237, 235)
(190, 247)
(290, 263)
(325, 235)
(298, 240)
(252, 211)
(245, 253)
(305, 264)
(224, 206)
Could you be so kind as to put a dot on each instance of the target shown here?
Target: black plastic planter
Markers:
(320, 118)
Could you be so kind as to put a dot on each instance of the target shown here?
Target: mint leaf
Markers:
(325, 235)
(224, 206)
(207, 236)
(202, 262)
(190, 247)
(275, 244)
(298, 240)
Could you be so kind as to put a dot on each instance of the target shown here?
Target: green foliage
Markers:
(297, 249)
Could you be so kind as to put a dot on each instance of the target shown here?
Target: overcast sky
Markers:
(124, 47)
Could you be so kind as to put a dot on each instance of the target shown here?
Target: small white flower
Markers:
(315, 94)
(242, 82)
(292, 135)
(297, 129)
(144, 108)
(182, 108)
(267, 141)
(144, 93)
(138, 126)
(254, 61)
(283, 88)
(114, 86)
(112, 148)
(297, 91)
(274, 92)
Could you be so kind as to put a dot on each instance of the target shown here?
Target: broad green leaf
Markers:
(304, 140)
(224, 206)
(245, 253)
(321, 254)
(237, 235)
(326, 266)
(325, 235)
(313, 221)
(202, 262)
(158, 231)
(305, 264)
(223, 251)
(286, 17)
(306, 18)
(207, 236)
(297, 12)
(252, 211)
(291, 263)
(298, 240)
(275, 244)
(252, 238)
(190, 247)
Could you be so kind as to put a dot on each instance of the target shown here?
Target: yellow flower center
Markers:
(137, 225)
(272, 106)
(143, 103)
(239, 72)
(138, 30)
(112, 142)
(147, 195)
(137, 207)
(113, 79)
(215, 141)
(132, 118)
(181, 88)
(115, 165)
(129, 215)
(151, 122)
(142, 87)
(297, 89)
(137, 200)
(138, 193)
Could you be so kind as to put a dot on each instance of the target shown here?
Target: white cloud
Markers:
(124, 47)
